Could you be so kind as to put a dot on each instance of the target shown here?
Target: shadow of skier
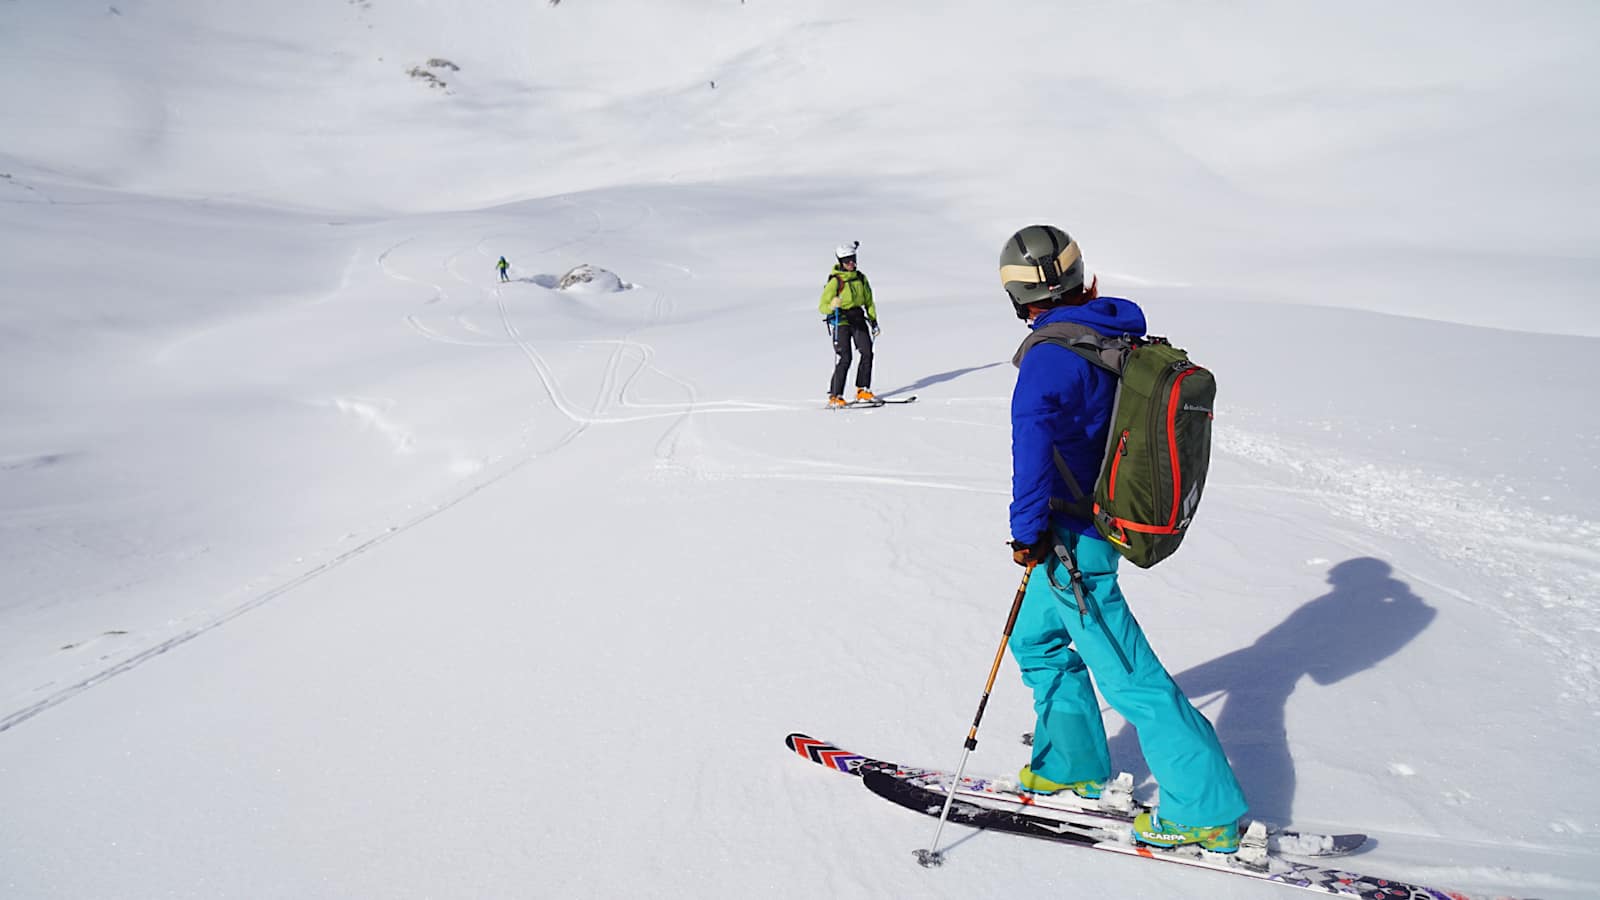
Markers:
(940, 378)
(1366, 618)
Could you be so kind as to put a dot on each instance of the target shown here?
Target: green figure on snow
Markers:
(503, 266)
(852, 320)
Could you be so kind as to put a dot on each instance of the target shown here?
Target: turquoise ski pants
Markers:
(1057, 650)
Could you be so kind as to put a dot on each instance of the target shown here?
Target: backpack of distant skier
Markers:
(1158, 448)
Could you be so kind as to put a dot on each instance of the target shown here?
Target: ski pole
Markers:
(933, 856)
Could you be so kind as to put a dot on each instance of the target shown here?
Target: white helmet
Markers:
(846, 251)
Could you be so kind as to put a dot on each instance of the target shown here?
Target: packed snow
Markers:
(333, 566)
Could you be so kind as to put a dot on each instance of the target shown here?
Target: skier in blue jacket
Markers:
(1062, 405)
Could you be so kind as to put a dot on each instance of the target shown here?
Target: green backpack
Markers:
(1158, 448)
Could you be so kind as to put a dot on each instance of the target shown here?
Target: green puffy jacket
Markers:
(852, 290)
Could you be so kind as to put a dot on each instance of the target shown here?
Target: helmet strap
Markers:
(1050, 267)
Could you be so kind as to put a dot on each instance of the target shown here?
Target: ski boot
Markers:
(865, 396)
(835, 401)
(1113, 795)
(1149, 828)
(1033, 783)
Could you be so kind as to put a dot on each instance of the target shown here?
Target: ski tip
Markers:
(825, 754)
(800, 742)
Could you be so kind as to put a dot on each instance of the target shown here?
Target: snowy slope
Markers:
(333, 567)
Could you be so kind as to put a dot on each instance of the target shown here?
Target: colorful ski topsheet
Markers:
(1274, 868)
(1063, 807)
(824, 753)
(993, 795)
(910, 788)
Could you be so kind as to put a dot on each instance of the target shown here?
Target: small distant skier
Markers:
(852, 319)
(503, 266)
(1060, 414)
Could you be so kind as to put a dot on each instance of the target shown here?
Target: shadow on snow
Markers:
(940, 378)
(1368, 616)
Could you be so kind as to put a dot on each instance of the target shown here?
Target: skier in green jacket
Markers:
(852, 319)
(502, 266)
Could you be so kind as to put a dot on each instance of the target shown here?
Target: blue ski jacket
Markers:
(1062, 402)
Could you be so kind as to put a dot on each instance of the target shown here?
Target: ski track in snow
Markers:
(368, 412)
(611, 391)
(261, 599)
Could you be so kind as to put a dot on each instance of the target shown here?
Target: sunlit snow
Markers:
(332, 566)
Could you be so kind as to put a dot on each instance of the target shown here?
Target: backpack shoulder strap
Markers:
(1081, 505)
(1099, 350)
(1103, 352)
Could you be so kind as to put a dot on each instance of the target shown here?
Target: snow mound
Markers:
(592, 280)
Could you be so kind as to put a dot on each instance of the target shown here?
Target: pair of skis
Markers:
(876, 402)
(1106, 824)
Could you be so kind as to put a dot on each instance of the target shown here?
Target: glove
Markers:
(835, 303)
(1032, 554)
(874, 324)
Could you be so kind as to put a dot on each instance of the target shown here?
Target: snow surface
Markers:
(335, 568)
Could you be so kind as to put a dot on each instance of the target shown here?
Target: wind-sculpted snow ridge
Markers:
(1545, 568)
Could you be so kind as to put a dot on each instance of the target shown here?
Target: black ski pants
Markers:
(852, 329)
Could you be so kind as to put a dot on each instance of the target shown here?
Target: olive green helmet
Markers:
(1040, 264)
